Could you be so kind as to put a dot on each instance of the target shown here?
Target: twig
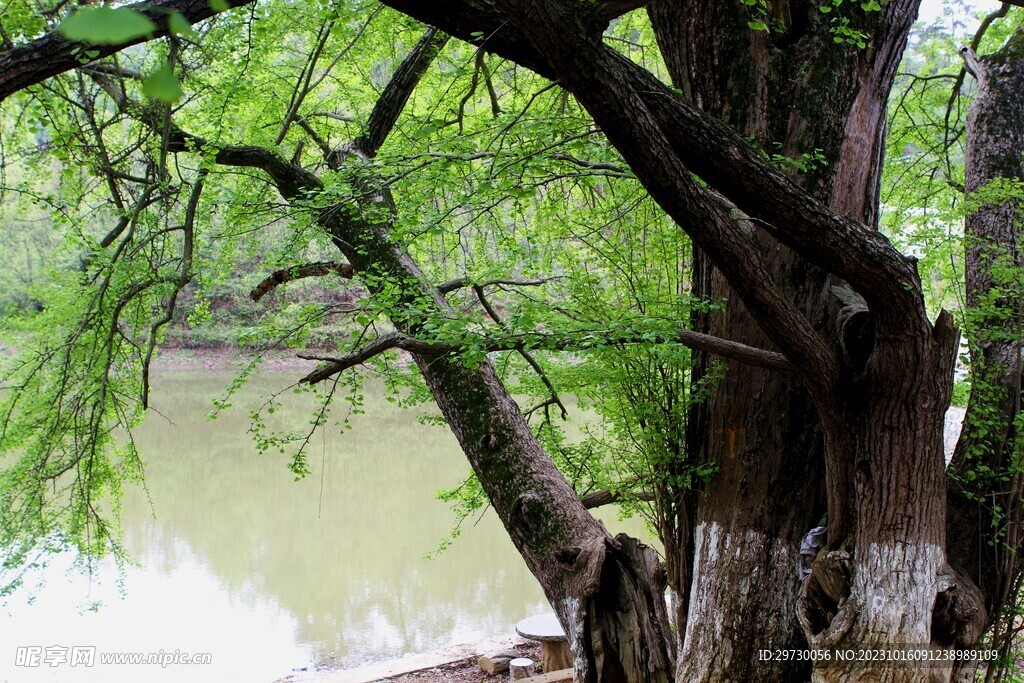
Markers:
(452, 285)
(526, 355)
(596, 165)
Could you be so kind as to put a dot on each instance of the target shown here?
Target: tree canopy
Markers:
(569, 199)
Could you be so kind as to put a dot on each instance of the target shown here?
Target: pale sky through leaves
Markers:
(965, 14)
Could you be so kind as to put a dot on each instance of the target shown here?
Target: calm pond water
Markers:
(268, 575)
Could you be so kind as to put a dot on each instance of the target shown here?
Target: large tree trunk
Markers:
(801, 90)
(879, 582)
(985, 513)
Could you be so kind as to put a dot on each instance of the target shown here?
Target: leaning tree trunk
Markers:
(985, 488)
(881, 397)
(800, 95)
(607, 592)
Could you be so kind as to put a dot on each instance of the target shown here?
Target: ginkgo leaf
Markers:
(179, 25)
(162, 85)
(106, 25)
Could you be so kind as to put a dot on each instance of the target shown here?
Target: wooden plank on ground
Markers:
(551, 677)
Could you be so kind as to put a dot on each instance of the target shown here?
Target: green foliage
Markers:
(106, 25)
(179, 25)
(759, 11)
(844, 20)
(961, 393)
(67, 396)
(162, 85)
(806, 162)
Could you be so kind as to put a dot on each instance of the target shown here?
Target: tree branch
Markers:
(394, 340)
(596, 499)
(392, 101)
(606, 10)
(184, 277)
(318, 269)
(596, 165)
(527, 356)
(459, 283)
(292, 180)
(480, 23)
(548, 342)
(52, 54)
(707, 146)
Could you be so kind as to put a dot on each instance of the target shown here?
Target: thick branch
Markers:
(392, 101)
(481, 23)
(606, 10)
(52, 54)
(596, 499)
(576, 341)
(708, 147)
(318, 269)
(394, 340)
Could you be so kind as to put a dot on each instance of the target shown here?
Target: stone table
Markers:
(554, 646)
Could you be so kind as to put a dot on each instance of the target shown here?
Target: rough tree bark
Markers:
(795, 92)
(985, 512)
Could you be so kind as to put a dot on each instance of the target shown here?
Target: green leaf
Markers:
(757, 25)
(179, 25)
(219, 5)
(162, 85)
(106, 25)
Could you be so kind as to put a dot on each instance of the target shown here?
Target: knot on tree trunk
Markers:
(526, 510)
(825, 609)
(959, 616)
(568, 556)
(855, 326)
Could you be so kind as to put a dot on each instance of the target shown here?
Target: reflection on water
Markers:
(268, 574)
